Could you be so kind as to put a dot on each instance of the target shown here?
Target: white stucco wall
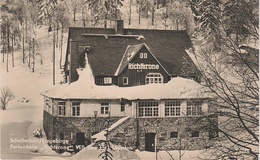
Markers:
(87, 108)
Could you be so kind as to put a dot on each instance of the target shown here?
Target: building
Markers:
(143, 81)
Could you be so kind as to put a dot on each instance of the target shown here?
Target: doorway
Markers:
(80, 138)
(150, 142)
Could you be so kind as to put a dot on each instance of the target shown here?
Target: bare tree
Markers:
(6, 96)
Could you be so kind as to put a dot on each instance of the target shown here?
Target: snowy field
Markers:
(25, 114)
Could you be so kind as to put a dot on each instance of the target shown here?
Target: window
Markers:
(125, 80)
(154, 78)
(174, 135)
(194, 108)
(122, 107)
(107, 80)
(104, 108)
(148, 108)
(143, 55)
(172, 108)
(195, 134)
(75, 108)
(61, 108)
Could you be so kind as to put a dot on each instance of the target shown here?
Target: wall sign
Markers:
(142, 66)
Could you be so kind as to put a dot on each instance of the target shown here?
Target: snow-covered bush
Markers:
(37, 133)
(6, 96)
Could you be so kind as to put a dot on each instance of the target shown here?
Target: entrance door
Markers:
(150, 142)
(80, 138)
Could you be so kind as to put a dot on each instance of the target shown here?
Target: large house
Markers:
(143, 81)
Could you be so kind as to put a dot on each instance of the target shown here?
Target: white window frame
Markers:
(75, 108)
(145, 55)
(105, 108)
(107, 80)
(61, 108)
(194, 108)
(148, 109)
(153, 78)
(125, 78)
(141, 55)
(172, 108)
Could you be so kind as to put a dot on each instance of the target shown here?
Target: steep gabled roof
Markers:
(130, 53)
(108, 48)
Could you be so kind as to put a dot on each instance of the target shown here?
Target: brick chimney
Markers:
(119, 27)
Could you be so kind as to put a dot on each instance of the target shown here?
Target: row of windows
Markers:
(146, 108)
(150, 78)
(176, 134)
(172, 108)
(76, 108)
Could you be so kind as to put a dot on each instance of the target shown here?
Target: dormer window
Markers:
(107, 80)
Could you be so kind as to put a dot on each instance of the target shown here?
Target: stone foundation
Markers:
(126, 134)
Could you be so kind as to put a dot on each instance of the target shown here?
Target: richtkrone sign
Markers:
(143, 66)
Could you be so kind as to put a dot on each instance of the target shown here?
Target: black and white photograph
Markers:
(129, 79)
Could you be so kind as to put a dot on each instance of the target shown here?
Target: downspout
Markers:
(137, 127)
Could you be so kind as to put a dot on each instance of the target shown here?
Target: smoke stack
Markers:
(119, 27)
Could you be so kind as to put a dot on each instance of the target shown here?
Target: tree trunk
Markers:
(4, 46)
(152, 12)
(177, 24)
(8, 48)
(26, 31)
(57, 34)
(33, 55)
(139, 14)
(23, 45)
(74, 14)
(105, 21)
(130, 12)
(53, 58)
(61, 45)
(29, 56)
(13, 50)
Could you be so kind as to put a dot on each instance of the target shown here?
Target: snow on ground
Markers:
(24, 113)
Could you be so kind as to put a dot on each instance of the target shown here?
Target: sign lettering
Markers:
(143, 66)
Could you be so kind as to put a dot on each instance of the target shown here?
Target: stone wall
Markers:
(126, 134)
(183, 125)
(48, 124)
(72, 125)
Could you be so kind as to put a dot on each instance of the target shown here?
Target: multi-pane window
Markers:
(148, 108)
(143, 55)
(122, 106)
(107, 80)
(174, 135)
(154, 78)
(104, 108)
(172, 108)
(75, 108)
(194, 108)
(61, 108)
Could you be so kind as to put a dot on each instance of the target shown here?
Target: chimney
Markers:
(119, 27)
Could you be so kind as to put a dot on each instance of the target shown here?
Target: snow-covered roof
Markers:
(84, 88)
(101, 135)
